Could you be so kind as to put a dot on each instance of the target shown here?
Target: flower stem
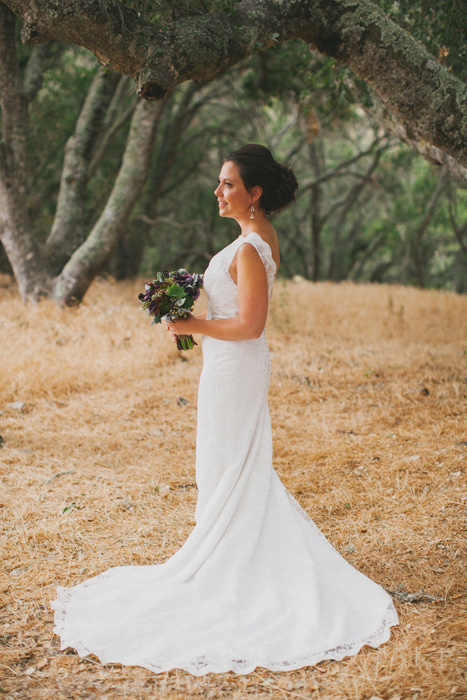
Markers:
(185, 342)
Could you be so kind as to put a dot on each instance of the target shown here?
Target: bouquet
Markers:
(172, 295)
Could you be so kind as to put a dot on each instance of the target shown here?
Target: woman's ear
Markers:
(256, 193)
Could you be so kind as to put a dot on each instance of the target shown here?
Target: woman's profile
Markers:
(256, 583)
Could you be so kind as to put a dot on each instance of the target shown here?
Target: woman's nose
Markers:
(217, 190)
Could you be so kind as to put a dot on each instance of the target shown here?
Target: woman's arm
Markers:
(252, 287)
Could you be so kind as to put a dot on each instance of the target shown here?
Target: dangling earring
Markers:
(252, 210)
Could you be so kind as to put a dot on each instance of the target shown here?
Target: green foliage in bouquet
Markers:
(171, 295)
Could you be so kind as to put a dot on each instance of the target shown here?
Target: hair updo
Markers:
(256, 166)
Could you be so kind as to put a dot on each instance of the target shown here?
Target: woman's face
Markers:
(233, 198)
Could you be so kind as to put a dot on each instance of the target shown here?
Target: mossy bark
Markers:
(67, 232)
(71, 285)
(24, 253)
(430, 101)
(175, 117)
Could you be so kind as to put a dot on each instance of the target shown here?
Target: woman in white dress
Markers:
(256, 583)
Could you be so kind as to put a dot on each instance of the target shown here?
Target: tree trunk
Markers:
(23, 252)
(315, 152)
(460, 231)
(5, 266)
(179, 109)
(117, 115)
(175, 119)
(315, 196)
(337, 252)
(127, 256)
(416, 252)
(359, 265)
(34, 72)
(88, 259)
(67, 232)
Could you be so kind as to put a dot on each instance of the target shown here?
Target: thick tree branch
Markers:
(394, 126)
(429, 101)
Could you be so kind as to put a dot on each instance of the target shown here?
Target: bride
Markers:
(256, 583)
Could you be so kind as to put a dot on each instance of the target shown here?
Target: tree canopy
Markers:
(94, 178)
(163, 44)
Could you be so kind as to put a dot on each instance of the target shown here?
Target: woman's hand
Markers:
(182, 326)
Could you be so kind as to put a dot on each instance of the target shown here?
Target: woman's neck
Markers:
(259, 223)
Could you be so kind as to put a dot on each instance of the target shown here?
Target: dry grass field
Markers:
(368, 400)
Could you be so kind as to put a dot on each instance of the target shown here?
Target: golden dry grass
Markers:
(368, 397)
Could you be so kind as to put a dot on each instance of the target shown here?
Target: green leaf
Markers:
(176, 291)
(72, 505)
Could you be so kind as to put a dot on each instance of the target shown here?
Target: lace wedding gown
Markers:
(256, 583)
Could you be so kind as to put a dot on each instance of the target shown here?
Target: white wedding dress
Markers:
(256, 583)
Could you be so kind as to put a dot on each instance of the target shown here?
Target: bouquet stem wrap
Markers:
(185, 342)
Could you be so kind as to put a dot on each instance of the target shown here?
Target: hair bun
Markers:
(286, 187)
(257, 166)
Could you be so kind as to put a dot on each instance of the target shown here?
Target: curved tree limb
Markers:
(429, 101)
(394, 126)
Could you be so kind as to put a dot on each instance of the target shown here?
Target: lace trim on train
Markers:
(202, 665)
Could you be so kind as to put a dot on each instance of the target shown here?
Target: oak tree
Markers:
(162, 44)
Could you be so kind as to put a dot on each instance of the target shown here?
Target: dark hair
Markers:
(257, 166)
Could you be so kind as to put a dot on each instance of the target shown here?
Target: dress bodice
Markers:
(219, 285)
